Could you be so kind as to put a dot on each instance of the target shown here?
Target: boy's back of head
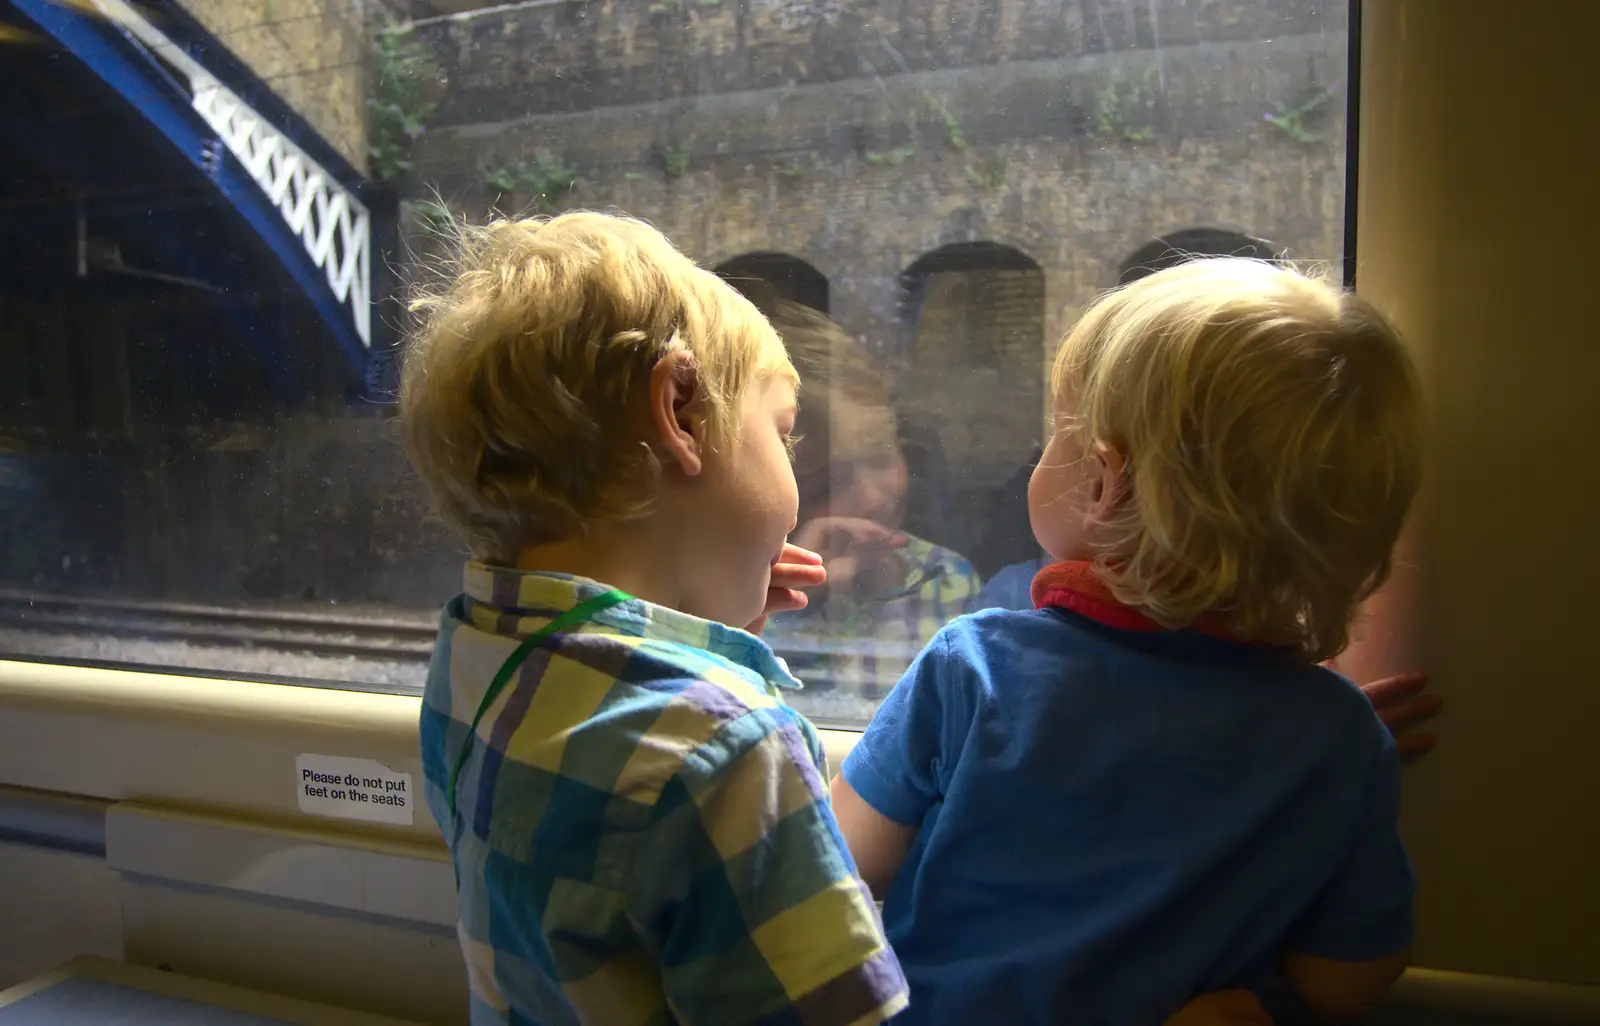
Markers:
(1270, 425)
(520, 398)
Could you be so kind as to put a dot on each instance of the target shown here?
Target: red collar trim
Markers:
(1077, 588)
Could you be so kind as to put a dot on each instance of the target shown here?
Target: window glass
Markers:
(210, 207)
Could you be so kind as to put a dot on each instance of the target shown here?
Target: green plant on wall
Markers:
(1125, 109)
(796, 167)
(892, 158)
(542, 183)
(988, 171)
(675, 160)
(405, 83)
(1294, 121)
(954, 136)
(434, 216)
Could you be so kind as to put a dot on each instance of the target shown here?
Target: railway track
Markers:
(392, 638)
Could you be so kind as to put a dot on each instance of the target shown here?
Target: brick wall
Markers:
(860, 174)
(311, 52)
(593, 54)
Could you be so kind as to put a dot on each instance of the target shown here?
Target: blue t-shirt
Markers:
(1113, 821)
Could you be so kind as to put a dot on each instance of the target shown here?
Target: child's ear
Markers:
(1108, 482)
(676, 412)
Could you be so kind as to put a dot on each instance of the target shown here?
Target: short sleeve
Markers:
(1365, 912)
(900, 766)
(748, 898)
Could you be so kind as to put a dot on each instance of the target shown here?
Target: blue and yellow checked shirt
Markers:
(642, 833)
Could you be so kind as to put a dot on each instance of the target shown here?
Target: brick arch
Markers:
(966, 256)
(954, 258)
(979, 259)
(1174, 248)
(972, 334)
(765, 275)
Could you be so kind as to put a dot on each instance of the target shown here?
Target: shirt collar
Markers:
(503, 601)
(1076, 587)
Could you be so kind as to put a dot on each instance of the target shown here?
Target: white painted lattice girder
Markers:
(331, 223)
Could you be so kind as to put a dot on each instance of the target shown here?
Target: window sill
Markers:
(208, 744)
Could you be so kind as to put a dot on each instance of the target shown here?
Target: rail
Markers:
(379, 636)
(390, 638)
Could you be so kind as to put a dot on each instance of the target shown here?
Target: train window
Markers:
(210, 207)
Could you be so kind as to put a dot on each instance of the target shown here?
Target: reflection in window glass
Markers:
(210, 213)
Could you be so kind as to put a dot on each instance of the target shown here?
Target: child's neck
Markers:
(627, 559)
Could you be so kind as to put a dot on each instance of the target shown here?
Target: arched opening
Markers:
(972, 318)
(1189, 244)
(765, 277)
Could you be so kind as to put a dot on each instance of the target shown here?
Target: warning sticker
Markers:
(332, 785)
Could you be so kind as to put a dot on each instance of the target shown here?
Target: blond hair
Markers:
(519, 397)
(1271, 427)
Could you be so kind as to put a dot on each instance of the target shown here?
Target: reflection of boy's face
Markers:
(868, 475)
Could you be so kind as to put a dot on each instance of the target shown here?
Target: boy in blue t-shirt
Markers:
(1146, 788)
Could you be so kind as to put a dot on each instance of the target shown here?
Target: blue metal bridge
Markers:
(170, 161)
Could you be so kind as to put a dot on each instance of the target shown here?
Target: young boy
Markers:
(639, 823)
(888, 591)
(1147, 787)
(639, 826)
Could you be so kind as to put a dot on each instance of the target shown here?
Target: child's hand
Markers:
(1222, 1008)
(1402, 704)
(856, 550)
(795, 568)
